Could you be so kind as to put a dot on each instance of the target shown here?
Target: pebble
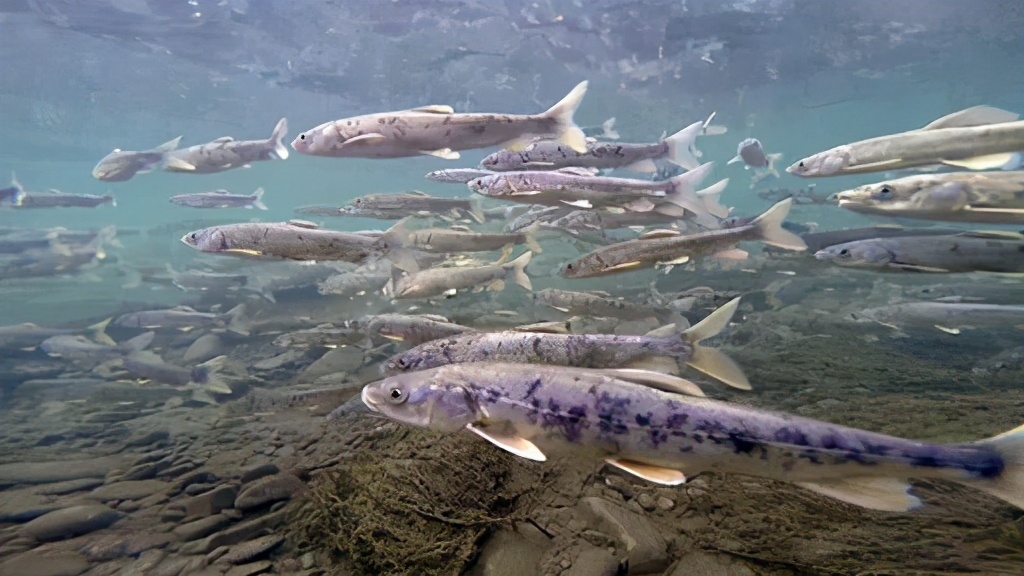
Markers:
(123, 545)
(201, 528)
(269, 489)
(665, 504)
(643, 541)
(51, 564)
(68, 486)
(646, 501)
(252, 549)
(260, 471)
(211, 502)
(249, 569)
(154, 437)
(69, 522)
(128, 490)
(48, 472)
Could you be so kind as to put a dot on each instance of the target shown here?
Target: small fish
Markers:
(149, 366)
(820, 240)
(752, 155)
(602, 305)
(59, 258)
(399, 240)
(181, 317)
(226, 153)
(437, 130)
(958, 315)
(976, 138)
(401, 205)
(78, 348)
(438, 281)
(411, 329)
(121, 165)
(606, 131)
(655, 350)
(670, 247)
(553, 155)
(221, 199)
(457, 175)
(989, 197)
(660, 428)
(292, 240)
(964, 252)
(16, 197)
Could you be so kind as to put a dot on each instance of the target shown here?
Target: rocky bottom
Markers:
(132, 480)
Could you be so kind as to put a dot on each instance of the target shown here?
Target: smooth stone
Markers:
(269, 489)
(210, 503)
(594, 561)
(249, 569)
(240, 532)
(201, 528)
(68, 486)
(251, 550)
(709, 564)
(260, 471)
(24, 505)
(36, 563)
(509, 551)
(206, 347)
(334, 361)
(128, 490)
(69, 522)
(48, 472)
(645, 546)
(107, 547)
(138, 440)
(146, 562)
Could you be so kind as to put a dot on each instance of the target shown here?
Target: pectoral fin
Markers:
(578, 203)
(174, 163)
(915, 268)
(444, 153)
(435, 109)
(663, 476)
(243, 252)
(986, 162)
(515, 444)
(887, 494)
(371, 137)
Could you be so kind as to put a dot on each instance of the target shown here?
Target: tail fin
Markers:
(710, 361)
(476, 211)
(394, 242)
(99, 332)
(236, 323)
(772, 159)
(518, 268)
(681, 151)
(709, 129)
(257, 199)
(277, 138)
(1009, 484)
(682, 189)
(207, 376)
(709, 196)
(568, 132)
(167, 146)
(770, 227)
(530, 239)
(138, 343)
(608, 129)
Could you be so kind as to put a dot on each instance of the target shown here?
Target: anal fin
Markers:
(444, 153)
(656, 474)
(986, 162)
(886, 494)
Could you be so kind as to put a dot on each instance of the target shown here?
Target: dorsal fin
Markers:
(973, 116)
(435, 109)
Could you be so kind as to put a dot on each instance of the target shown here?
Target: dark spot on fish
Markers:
(534, 386)
(741, 445)
(791, 436)
(643, 419)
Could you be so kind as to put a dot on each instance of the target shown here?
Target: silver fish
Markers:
(457, 175)
(965, 252)
(663, 350)
(401, 205)
(599, 305)
(80, 349)
(976, 138)
(949, 317)
(181, 317)
(149, 366)
(399, 242)
(121, 165)
(226, 153)
(412, 329)
(438, 281)
(438, 131)
(21, 199)
(221, 199)
(991, 197)
(553, 155)
(58, 258)
(752, 155)
(292, 240)
(627, 419)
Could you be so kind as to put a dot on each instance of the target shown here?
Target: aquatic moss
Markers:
(416, 503)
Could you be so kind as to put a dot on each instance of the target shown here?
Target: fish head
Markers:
(207, 240)
(748, 143)
(400, 364)
(117, 166)
(860, 254)
(824, 163)
(492, 161)
(427, 399)
(483, 185)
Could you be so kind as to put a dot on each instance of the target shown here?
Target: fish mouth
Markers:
(368, 399)
(822, 255)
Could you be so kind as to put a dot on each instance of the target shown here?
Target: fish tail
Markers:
(682, 189)
(608, 128)
(681, 151)
(99, 332)
(393, 244)
(1009, 484)
(476, 211)
(710, 197)
(769, 225)
(710, 361)
(138, 343)
(568, 132)
(257, 199)
(236, 322)
(277, 138)
(530, 240)
(207, 376)
(772, 159)
(518, 269)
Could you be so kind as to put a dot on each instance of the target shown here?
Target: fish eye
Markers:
(844, 252)
(568, 266)
(800, 165)
(396, 395)
(194, 236)
(402, 363)
(885, 191)
(302, 136)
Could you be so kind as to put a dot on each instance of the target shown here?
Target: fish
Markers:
(28, 335)
(565, 187)
(401, 205)
(950, 317)
(964, 252)
(408, 328)
(439, 131)
(664, 431)
(438, 281)
(750, 152)
(122, 165)
(399, 240)
(221, 199)
(553, 155)
(976, 138)
(226, 153)
(78, 348)
(820, 240)
(58, 258)
(17, 198)
(149, 366)
(985, 197)
(180, 317)
(605, 131)
(457, 175)
(666, 246)
(601, 305)
(655, 350)
(292, 240)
